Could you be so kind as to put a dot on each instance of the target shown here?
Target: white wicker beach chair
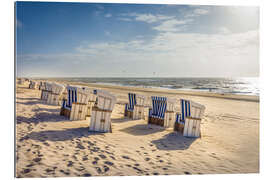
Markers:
(162, 112)
(189, 119)
(55, 94)
(101, 112)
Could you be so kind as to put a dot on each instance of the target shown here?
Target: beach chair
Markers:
(47, 89)
(162, 112)
(75, 106)
(189, 119)
(101, 112)
(32, 84)
(55, 94)
(135, 107)
(21, 80)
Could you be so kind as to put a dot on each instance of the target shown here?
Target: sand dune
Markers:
(50, 145)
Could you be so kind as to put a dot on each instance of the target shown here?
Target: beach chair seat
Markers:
(162, 112)
(101, 112)
(55, 94)
(189, 118)
(135, 107)
(75, 106)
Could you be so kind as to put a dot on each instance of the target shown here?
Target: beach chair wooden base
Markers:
(100, 120)
(53, 99)
(65, 112)
(179, 127)
(129, 114)
(78, 111)
(192, 127)
(138, 112)
(156, 121)
(169, 119)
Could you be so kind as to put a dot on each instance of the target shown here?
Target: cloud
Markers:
(124, 19)
(172, 25)
(148, 18)
(201, 11)
(196, 12)
(107, 33)
(107, 15)
(224, 30)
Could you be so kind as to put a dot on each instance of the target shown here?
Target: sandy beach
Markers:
(50, 145)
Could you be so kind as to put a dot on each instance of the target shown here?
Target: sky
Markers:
(136, 40)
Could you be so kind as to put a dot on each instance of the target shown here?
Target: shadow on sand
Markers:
(173, 141)
(123, 120)
(61, 135)
(53, 116)
(142, 129)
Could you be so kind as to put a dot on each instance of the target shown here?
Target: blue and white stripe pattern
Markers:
(131, 102)
(71, 97)
(185, 111)
(159, 106)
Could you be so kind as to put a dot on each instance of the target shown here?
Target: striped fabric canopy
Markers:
(159, 106)
(131, 102)
(185, 111)
(71, 97)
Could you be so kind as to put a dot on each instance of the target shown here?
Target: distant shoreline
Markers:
(154, 90)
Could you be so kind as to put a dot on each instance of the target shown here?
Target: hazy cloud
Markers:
(107, 15)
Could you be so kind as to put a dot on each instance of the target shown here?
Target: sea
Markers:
(243, 86)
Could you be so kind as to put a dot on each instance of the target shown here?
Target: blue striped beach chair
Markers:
(75, 106)
(162, 111)
(189, 118)
(129, 107)
(135, 107)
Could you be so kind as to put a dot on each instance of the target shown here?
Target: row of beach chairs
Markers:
(78, 103)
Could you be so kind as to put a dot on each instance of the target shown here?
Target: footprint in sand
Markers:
(147, 159)
(106, 168)
(138, 169)
(25, 171)
(186, 172)
(64, 172)
(112, 157)
(85, 158)
(37, 159)
(109, 163)
(87, 175)
(102, 156)
(70, 163)
(49, 171)
(98, 170)
(125, 157)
